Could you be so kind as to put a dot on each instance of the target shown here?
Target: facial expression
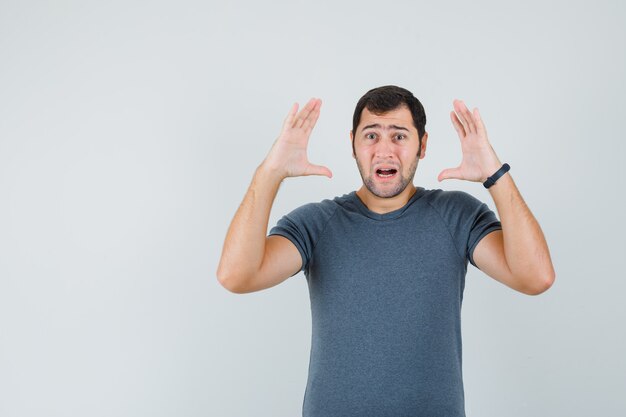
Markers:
(386, 148)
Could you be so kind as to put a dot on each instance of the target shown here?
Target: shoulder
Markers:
(320, 211)
(443, 200)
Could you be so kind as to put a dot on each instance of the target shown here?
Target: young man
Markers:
(386, 265)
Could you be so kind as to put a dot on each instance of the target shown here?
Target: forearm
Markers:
(525, 247)
(244, 246)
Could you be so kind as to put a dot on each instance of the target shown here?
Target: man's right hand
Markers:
(288, 156)
(250, 260)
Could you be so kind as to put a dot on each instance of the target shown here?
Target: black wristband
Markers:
(492, 180)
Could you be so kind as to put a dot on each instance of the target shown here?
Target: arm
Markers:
(250, 260)
(518, 255)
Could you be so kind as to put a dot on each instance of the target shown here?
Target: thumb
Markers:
(318, 170)
(450, 173)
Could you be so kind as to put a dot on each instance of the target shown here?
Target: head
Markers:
(388, 139)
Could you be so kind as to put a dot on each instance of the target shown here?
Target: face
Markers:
(386, 148)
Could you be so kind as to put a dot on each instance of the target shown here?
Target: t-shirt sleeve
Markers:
(303, 227)
(484, 221)
(469, 220)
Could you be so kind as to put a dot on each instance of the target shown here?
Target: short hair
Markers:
(380, 100)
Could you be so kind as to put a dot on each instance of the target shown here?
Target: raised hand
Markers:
(479, 159)
(288, 156)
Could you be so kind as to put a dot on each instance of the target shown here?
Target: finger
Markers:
(480, 126)
(450, 173)
(458, 108)
(290, 116)
(310, 121)
(318, 170)
(457, 125)
(304, 113)
(470, 119)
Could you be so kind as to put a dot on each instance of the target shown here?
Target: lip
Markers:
(385, 167)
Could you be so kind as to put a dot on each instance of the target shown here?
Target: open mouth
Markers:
(386, 173)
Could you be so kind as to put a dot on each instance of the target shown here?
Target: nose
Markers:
(384, 149)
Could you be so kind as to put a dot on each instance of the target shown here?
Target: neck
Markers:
(382, 205)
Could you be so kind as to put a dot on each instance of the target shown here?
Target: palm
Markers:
(289, 153)
(479, 159)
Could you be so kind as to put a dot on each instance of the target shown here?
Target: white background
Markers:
(129, 132)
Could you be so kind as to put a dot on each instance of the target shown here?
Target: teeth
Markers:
(385, 173)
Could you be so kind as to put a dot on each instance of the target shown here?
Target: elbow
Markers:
(230, 281)
(231, 285)
(541, 283)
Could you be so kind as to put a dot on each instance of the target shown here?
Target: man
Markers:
(386, 265)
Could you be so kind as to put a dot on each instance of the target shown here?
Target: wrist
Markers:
(490, 168)
(492, 179)
(269, 172)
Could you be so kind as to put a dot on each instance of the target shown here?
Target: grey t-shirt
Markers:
(386, 293)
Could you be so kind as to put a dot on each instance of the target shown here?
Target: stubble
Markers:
(391, 192)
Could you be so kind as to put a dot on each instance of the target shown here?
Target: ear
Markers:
(352, 143)
(424, 141)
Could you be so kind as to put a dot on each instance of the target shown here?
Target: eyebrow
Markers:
(378, 126)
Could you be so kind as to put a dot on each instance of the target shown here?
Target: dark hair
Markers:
(380, 100)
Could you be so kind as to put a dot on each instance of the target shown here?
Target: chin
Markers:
(388, 192)
(392, 189)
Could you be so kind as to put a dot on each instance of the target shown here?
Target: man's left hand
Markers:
(479, 159)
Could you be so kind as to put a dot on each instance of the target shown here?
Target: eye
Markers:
(370, 136)
(400, 136)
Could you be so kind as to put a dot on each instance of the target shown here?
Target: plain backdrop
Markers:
(130, 130)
